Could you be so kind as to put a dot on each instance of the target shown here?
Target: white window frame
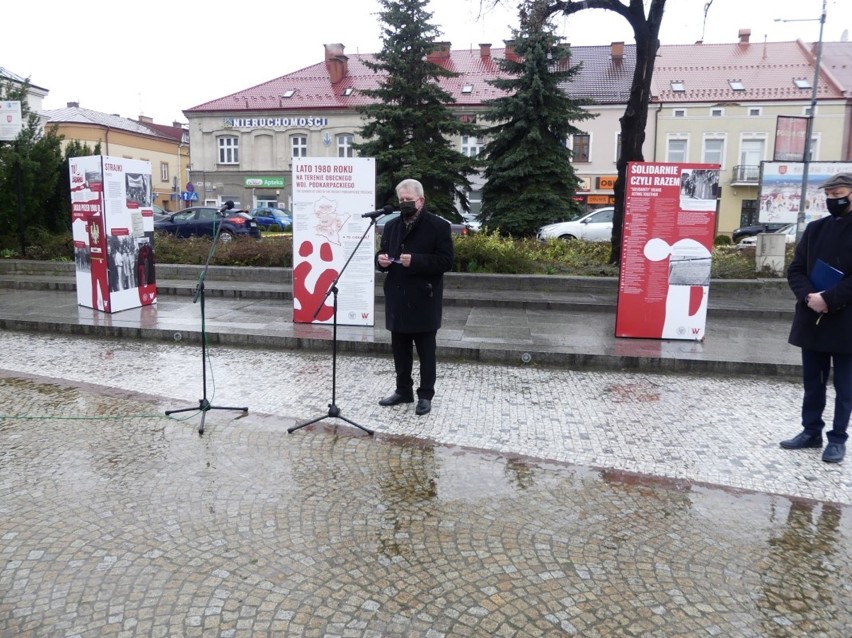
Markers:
(677, 137)
(164, 171)
(755, 111)
(814, 154)
(344, 145)
(752, 137)
(678, 112)
(715, 137)
(574, 159)
(806, 111)
(229, 149)
(617, 146)
(717, 112)
(299, 145)
(471, 145)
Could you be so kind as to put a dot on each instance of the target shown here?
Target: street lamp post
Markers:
(806, 157)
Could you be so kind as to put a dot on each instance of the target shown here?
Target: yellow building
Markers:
(165, 147)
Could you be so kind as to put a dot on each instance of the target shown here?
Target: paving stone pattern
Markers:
(530, 502)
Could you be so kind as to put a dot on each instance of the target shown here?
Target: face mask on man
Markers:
(408, 209)
(837, 206)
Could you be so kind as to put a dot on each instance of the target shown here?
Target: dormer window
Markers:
(678, 86)
(736, 85)
(288, 93)
(348, 91)
(802, 84)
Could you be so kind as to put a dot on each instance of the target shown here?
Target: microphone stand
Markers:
(203, 404)
(333, 410)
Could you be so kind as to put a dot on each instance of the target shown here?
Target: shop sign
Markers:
(606, 182)
(264, 182)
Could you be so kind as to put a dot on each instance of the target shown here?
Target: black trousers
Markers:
(403, 362)
(815, 368)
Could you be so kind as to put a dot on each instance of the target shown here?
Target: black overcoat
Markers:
(829, 239)
(414, 295)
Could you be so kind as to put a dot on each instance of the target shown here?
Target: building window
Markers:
(299, 145)
(164, 171)
(714, 148)
(676, 149)
(344, 145)
(678, 86)
(229, 149)
(807, 111)
(471, 145)
(580, 151)
(752, 151)
(679, 112)
(736, 85)
(717, 112)
(617, 146)
(802, 84)
(754, 111)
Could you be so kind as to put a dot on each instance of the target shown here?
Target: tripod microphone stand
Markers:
(203, 403)
(333, 410)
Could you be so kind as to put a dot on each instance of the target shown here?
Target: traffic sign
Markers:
(189, 197)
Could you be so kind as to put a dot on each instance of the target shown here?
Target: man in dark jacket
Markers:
(819, 276)
(416, 251)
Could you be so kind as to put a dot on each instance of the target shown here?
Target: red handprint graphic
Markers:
(309, 300)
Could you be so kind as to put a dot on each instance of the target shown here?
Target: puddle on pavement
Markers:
(411, 526)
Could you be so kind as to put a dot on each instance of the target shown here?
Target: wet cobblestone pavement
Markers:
(530, 502)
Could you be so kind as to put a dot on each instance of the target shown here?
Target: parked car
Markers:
(265, 217)
(594, 226)
(789, 231)
(754, 229)
(201, 221)
(159, 213)
(471, 222)
(456, 228)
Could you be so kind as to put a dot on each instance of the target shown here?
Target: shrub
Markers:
(722, 240)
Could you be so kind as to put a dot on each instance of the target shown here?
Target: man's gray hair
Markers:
(410, 185)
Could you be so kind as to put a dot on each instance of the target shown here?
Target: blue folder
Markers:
(824, 277)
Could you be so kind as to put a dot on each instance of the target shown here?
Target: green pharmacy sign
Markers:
(264, 182)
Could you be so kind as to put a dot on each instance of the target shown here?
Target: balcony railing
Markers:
(744, 174)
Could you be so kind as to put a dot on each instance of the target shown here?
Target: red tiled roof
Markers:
(314, 89)
(766, 70)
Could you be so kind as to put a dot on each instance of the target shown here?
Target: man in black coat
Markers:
(416, 251)
(822, 326)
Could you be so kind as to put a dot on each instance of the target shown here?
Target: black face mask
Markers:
(838, 206)
(408, 209)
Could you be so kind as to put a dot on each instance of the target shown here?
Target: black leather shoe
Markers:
(834, 452)
(803, 440)
(395, 399)
(423, 406)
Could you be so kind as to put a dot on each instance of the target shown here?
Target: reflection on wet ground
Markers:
(129, 523)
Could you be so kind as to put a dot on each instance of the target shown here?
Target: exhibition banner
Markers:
(329, 197)
(667, 243)
(781, 190)
(112, 223)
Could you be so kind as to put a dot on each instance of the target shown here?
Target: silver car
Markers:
(594, 226)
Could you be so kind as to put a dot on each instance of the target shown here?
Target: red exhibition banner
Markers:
(666, 250)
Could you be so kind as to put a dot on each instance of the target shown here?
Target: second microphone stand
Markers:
(204, 404)
(333, 410)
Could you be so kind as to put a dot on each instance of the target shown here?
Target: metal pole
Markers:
(800, 222)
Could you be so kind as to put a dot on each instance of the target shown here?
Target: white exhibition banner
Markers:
(781, 190)
(329, 197)
(112, 223)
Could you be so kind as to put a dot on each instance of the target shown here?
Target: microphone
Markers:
(226, 206)
(386, 210)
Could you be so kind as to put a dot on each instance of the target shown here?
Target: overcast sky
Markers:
(161, 57)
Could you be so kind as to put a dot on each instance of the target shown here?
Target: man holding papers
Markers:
(822, 326)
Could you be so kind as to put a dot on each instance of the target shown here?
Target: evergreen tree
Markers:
(29, 173)
(410, 130)
(530, 180)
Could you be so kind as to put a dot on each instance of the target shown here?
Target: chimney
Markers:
(485, 50)
(511, 55)
(336, 62)
(744, 35)
(617, 51)
(146, 120)
(177, 125)
(73, 105)
(440, 51)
